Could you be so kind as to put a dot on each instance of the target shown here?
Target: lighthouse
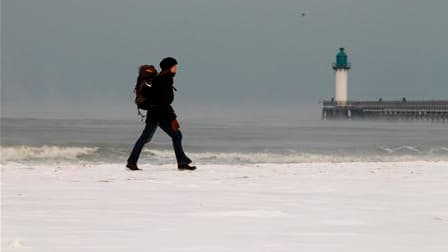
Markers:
(341, 67)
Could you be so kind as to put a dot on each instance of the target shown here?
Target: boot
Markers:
(186, 167)
(133, 167)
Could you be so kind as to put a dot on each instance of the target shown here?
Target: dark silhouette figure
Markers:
(159, 96)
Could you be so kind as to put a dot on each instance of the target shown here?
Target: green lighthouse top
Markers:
(341, 60)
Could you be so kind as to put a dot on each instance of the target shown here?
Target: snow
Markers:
(397, 206)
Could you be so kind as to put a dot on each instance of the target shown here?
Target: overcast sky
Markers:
(76, 54)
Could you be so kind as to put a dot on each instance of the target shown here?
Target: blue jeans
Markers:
(147, 135)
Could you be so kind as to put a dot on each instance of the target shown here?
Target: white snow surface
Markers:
(395, 206)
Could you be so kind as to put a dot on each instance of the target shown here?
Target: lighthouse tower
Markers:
(341, 66)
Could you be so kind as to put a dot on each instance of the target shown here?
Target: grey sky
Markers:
(73, 54)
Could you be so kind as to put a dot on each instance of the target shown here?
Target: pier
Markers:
(436, 111)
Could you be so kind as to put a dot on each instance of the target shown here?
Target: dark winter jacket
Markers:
(161, 97)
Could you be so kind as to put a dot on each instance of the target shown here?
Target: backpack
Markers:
(143, 87)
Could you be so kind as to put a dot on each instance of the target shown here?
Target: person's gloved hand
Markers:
(175, 126)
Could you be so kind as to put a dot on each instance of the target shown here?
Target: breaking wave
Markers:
(114, 154)
(23, 153)
(438, 154)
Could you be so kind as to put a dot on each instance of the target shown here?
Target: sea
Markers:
(245, 141)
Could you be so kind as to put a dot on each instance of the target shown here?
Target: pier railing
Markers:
(388, 110)
(437, 105)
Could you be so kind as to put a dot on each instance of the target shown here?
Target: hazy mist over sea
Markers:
(78, 59)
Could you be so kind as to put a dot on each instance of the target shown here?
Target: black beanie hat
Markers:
(168, 63)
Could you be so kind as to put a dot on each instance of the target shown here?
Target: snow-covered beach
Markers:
(356, 206)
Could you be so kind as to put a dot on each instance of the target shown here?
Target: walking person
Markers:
(158, 92)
